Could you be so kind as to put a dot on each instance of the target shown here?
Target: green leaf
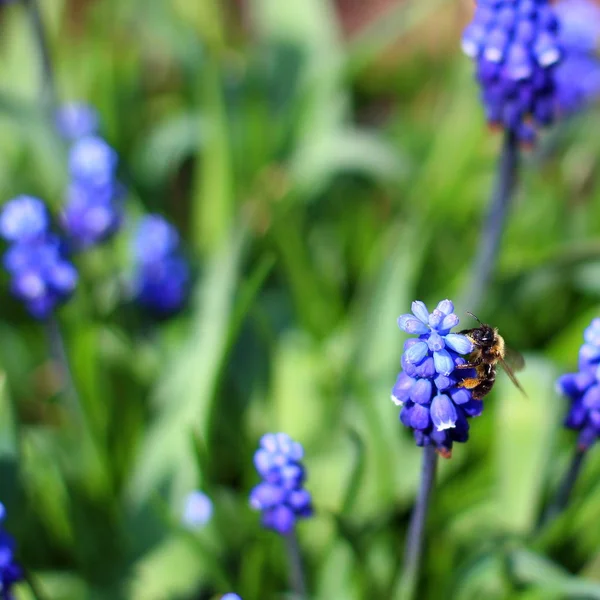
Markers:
(183, 397)
(345, 151)
(531, 568)
(524, 430)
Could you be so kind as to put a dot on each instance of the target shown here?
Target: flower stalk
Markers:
(48, 88)
(494, 224)
(296, 570)
(565, 488)
(416, 530)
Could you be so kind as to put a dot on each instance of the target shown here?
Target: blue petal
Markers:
(416, 353)
(411, 325)
(592, 333)
(435, 319)
(445, 307)
(280, 518)
(473, 408)
(420, 311)
(435, 342)
(444, 364)
(422, 391)
(443, 412)
(419, 417)
(591, 399)
(406, 414)
(266, 495)
(408, 368)
(448, 323)
(402, 387)
(443, 382)
(426, 369)
(459, 343)
(460, 396)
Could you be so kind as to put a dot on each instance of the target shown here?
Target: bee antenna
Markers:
(470, 313)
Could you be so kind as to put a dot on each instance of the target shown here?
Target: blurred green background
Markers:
(326, 163)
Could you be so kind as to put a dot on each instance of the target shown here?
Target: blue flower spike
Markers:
(42, 276)
(516, 49)
(161, 280)
(583, 389)
(10, 571)
(280, 496)
(427, 389)
(577, 76)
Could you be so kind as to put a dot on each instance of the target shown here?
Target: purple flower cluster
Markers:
(583, 389)
(516, 49)
(92, 211)
(42, 276)
(427, 388)
(10, 572)
(578, 74)
(161, 274)
(280, 496)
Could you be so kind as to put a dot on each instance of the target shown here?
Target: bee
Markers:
(489, 349)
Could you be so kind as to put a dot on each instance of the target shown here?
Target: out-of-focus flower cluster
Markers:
(10, 572)
(516, 49)
(41, 275)
(161, 273)
(433, 404)
(280, 496)
(583, 389)
(577, 76)
(92, 211)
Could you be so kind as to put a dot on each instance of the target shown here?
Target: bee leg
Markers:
(469, 365)
(469, 383)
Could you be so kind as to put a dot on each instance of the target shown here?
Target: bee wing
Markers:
(514, 359)
(511, 374)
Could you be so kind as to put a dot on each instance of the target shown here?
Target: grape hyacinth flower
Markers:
(10, 571)
(230, 596)
(516, 49)
(280, 496)
(583, 389)
(197, 511)
(42, 276)
(433, 404)
(161, 273)
(76, 120)
(93, 211)
(578, 73)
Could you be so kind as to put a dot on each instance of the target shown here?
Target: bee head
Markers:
(483, 335)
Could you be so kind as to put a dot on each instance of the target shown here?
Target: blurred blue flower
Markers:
(280, 496)
(577, 76)
(41, 275)
(93, 211)
(91, 214)
(198, 510)
(92, 161)
(76, 120)
(583, 389)
(230, 596)
(514, 44)
(10, 572)
(433, 404)
(161, 279)
(23, 218)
